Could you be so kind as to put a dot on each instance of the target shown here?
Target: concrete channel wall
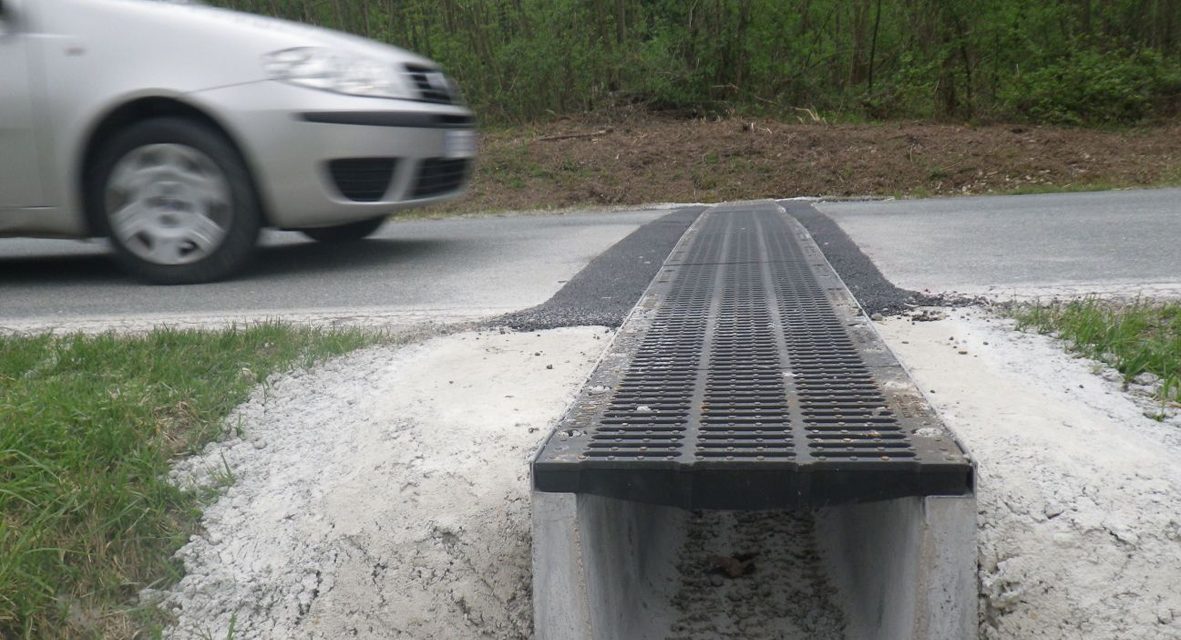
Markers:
(606, 569)
(603, 568)
(904, 569)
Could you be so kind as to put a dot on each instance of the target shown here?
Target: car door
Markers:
(20, 182)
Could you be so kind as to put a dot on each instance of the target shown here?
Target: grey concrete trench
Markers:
(749, 460)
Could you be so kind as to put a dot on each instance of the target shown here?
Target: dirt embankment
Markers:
(587, 161)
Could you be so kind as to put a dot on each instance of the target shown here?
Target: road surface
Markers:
(1115, 241)
(469, 268)
(460, 268)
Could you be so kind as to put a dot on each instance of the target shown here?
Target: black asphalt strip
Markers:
(604, 292)
(873, 291)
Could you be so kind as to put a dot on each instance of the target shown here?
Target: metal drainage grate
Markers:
(748, 378)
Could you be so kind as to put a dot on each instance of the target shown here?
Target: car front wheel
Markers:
(350, 232)
(176, 201)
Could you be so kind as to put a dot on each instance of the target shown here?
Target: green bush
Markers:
(1091, 87)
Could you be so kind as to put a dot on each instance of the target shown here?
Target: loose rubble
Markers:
(381, 495)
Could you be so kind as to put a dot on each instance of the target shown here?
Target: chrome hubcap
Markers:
(168, 204)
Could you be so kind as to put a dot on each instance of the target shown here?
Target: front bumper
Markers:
(320, 159)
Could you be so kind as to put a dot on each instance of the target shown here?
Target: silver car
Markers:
(178, 131)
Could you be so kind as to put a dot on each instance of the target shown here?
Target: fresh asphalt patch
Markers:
(873, 291)
(604, 292)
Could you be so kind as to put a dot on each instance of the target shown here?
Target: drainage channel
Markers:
(748, 379)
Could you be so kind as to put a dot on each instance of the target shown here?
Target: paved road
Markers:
(1117, 241)
(1128, 241)
(443, 269)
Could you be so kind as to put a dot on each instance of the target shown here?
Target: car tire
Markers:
(176, 200)
(350, 232)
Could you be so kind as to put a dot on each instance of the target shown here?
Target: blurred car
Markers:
(179, 130)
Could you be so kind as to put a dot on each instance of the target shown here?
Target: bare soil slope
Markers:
(642, 159)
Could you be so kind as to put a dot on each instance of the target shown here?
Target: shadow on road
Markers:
(55, 269)
(284, 261)
(320, 259)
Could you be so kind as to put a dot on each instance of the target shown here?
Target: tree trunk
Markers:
(873, 43)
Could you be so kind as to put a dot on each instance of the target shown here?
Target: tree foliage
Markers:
(1062, 61)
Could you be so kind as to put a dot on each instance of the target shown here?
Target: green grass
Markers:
(88, 427)
(1135, 338)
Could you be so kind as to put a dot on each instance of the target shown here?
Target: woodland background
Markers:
(1074, 62)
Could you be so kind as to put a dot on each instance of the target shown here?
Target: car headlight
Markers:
(337, 71)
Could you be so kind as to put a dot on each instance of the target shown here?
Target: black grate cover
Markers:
(748, 378)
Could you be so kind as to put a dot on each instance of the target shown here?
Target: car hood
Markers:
(286, 33)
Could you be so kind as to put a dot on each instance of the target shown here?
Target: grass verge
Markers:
(1135, 338)
(88, 427)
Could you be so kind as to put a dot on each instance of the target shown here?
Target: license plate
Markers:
(459, 144)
